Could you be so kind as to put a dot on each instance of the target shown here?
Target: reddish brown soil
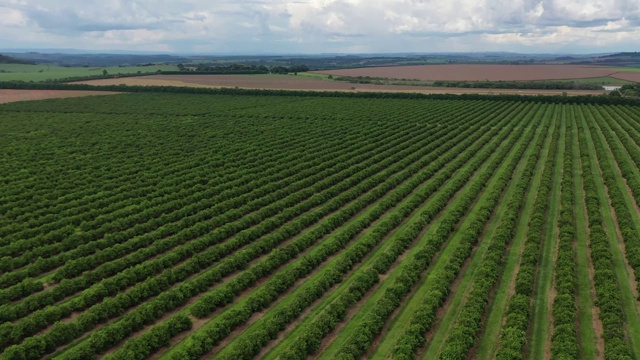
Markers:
(7, 96)
(306, 83)
(630, 76)
(476, 72)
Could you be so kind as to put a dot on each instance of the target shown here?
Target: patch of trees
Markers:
(240, 69)
(103, 75)
(537, 85)
(485, 84)
(287, 70)
(223, 69)
(631, 90)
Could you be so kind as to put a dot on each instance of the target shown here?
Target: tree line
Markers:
(241, 69)
(484, 84)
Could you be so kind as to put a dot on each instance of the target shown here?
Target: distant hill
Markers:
(626, 59)
(622, 55)
(10, 60)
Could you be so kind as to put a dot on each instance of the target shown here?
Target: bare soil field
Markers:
(7, 96)
(305, 83)
(474, 72)
(630, 76)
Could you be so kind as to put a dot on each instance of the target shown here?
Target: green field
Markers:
(627, 69)
(314, 75)
(599, 81)
(183, 226)
(11, 72)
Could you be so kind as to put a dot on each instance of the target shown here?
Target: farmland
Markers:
(629, 75)
(22, 72)
(476, 72)
(185, 226)
(310, 83)
(7, 96)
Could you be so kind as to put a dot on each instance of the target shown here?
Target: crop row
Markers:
(212, 206)
(261, 158)
(564, 341)
(513, 336)
(279, 134)
(424, 316)
(305, 265)
(175, 166)
(311, 227)
(194, 247)
(250, 341)
(61, 201)
(607, 290)
(270, 171)
(225, 294)
(463, 335)
(234, 262)
(185, 222)
(617, 194)
(411, 272)
(165, 225)
(318, 284)
(90, 212)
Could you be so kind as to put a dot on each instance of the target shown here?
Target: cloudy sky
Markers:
(321, 26)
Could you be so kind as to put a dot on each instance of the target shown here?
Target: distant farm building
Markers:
(611, 88)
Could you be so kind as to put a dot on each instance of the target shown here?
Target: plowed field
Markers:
(306, 83)
(479, 72)
(7, 96)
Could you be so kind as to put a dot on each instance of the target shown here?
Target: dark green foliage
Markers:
(353, 255)
(518, 314)
(413, 337)
(541, 84)
(607, 289)
(370, 326)
(564, 341)
(126, 219)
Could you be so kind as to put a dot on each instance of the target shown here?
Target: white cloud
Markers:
(312, 26)
(11, 17)
(560, 36)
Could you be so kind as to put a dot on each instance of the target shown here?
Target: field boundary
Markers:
(577, 99)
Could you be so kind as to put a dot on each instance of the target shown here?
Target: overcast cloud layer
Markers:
(322, 26)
